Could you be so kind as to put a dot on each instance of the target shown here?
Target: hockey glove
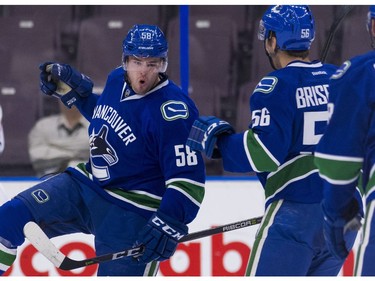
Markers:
(160, 237)
(47, 85)
(63, 81)
(204, 132)
(335, 228)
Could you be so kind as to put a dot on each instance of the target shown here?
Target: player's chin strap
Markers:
(44, 245)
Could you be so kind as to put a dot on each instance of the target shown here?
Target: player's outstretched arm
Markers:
(64, 82)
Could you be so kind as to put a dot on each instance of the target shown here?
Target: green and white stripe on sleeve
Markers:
(191, 189)
(296, 169)
(338, 170)
(260, 158)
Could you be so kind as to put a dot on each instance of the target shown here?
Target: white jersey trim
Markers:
(184, 180)
(136, 96)
(338, 182)
(338, 158)
(146, 193)
(304, 64)
(130, 202)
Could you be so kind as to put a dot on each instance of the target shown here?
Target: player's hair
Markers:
(293, 53)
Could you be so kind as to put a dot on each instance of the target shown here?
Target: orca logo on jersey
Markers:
(100, 147)
(172, 110)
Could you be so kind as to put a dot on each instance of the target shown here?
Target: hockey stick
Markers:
(44, 245)
(221, 229)
(345, 10)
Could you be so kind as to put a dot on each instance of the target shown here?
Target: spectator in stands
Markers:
(2, 141)
(58, 141)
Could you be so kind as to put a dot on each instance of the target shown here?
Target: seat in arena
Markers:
(25, 42)
(100, 45)
(212, 44)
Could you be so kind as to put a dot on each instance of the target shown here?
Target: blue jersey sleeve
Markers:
(346, 151)
(183, 169)
(263, 147)
(86, 105)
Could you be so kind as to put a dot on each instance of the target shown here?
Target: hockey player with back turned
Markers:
(289, 114)
(140, 177)
(345, 156)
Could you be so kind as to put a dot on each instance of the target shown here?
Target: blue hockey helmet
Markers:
(293, 26)
(145, 41)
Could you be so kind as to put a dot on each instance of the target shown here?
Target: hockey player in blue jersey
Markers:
(289, 114)
(345, 156)
(141, 185)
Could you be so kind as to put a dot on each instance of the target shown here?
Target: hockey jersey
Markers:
(138, 157)
(289, 115)
(346, 153)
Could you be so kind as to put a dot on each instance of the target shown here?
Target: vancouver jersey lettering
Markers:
(111, 116)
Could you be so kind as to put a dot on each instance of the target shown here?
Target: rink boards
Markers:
(227, 200)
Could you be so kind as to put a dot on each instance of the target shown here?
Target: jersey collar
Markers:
(313, 64)
(132, 96)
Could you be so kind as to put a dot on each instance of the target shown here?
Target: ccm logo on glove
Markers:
(209, 130)
(166, 228)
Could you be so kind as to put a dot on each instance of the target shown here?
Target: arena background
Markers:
(219, 63)
(216, 58)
